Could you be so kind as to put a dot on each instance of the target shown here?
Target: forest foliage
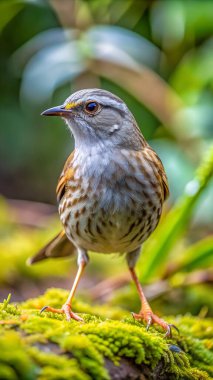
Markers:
(158, 57)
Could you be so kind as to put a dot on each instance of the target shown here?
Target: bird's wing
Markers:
(158, 168)
(66, 174)
(59, 246)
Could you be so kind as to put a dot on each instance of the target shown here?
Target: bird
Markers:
(110, 193)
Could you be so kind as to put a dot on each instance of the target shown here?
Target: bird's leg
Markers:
(66, 309)
(145, 314)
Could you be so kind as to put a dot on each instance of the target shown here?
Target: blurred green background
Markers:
(158, 57)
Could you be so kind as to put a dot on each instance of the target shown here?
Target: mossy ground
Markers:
(46, 346)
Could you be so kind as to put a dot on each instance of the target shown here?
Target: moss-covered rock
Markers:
(46, 346)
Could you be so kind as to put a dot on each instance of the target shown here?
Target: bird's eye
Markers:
(92, 107)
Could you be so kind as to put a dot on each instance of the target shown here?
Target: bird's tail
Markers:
(59, 246)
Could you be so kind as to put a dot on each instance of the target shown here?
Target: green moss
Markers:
(56, 367)
(56, 297)
(15, 363)
(116, 339)
(88, 357)
(81, 348)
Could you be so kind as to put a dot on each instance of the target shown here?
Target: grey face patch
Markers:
(103, 97)
(113, 126)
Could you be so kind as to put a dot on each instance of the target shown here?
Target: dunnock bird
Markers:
(111, 190)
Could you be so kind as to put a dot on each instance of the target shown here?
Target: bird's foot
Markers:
(66, 309)
(150, 318)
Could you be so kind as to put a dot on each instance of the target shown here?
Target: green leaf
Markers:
(157, 249)
(8, 10)
(197, 255)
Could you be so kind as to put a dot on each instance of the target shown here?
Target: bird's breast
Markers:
(112, 209)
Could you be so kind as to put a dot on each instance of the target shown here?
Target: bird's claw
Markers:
(169, 330)
(66, 309)
(149, 323)
(151, 319)
(43, 309)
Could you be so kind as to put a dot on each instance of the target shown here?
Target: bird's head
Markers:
(96, 116)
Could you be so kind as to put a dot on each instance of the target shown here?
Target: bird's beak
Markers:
(56, 111)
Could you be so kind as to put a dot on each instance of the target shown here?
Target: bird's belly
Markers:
(107, 232)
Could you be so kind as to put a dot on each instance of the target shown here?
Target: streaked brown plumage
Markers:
(84, 219)
(111, 190)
